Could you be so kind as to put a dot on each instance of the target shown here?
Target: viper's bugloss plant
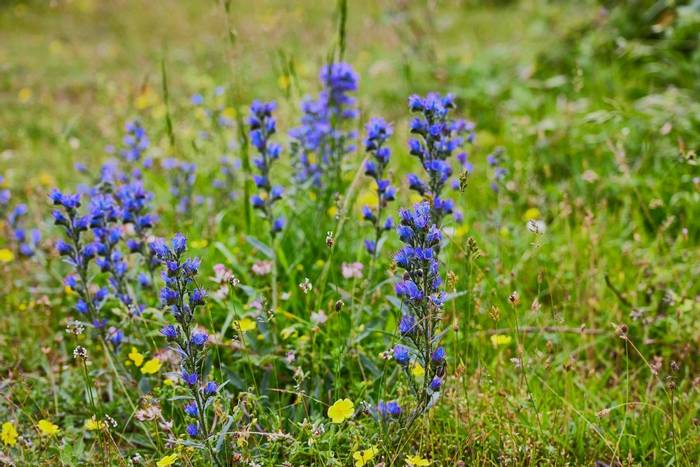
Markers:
(27, 241)
(182, 176)
(262, 126)
(134, 202)
(496, 161)
(227, 182)
(79, 253)
(322, 140)
(378, 132)
(182, 297)
(420, 288)
(439, 137)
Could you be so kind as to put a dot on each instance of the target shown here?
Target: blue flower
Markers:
(401, 354)
(211, 388)
(191, 409)
(193, 430)
(438, 355)
(436, 383)
(407, 325)
(199, 338)
(262, 127)
(189, 378)
(169, 331)
(321, 135)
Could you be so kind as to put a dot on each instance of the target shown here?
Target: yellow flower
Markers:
(146, 99)
(9, 434)
(283, 82)
(197, 244)
(500, 339)
(415, 198)
(24, 95)
(151, 367)
(46, 179)
(6, 255)
(92, 424)
(167, 460)
(416, 461)
(245, 324)
(136, 357)
(332, 211)
(341, 410)
(417, 370)
(47, 428)
(531, 214)
(363, 457)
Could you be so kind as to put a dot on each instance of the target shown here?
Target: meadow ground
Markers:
(570, 316)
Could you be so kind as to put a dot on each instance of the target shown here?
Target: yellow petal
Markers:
(136, 357)
(167, 460)
(6, 255)
(47, 428)
(151, 367)
(8, 434)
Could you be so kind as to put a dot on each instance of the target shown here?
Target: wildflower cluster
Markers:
(227, 182)
(320, 143)
(181, 180)
(420, 291)
(78, 253)
(182, 297)
(439, 138)
(378, 132)
(27, 241)
(419, 229)
(262, 127)
(496, 161)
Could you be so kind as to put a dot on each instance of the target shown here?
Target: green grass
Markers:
(599, 134)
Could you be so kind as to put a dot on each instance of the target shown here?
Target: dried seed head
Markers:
(339, 305)
(330, 241)
(514, 298)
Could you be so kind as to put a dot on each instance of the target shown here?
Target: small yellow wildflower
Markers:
(167, 460)
(9, 434)
(283, 82)
(341, 410)
(24, 95)
(417, 370)
(46, 179)
(416, 461)
(197, 244)
(6, 255)
(136, 357)
(92, 424)
(332, 211)
(151, 367)
(245, 324)
(363, 457)
(500, 339)
(415, 198)
(531, 214)
(47, 428)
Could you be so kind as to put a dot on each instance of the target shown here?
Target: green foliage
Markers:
(597, 111)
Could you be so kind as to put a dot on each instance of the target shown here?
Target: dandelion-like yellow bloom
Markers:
(417, 370)
(246, 324)
(341, 410)
(92, 424)
(167, 460)
(6, 255)
(9, 434)
(363, 457)
(151, 367)
(500, 339)
(47, 428)
(202, 243)
(416, 461)
(531, 214)
(136, 357)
